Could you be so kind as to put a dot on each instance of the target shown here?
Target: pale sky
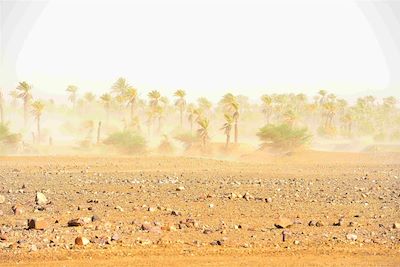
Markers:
(249, 47)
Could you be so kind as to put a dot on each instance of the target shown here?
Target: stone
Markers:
(119, 208)
(396, 225)
(2, 199)
(17, 209)
(95, 218)
(180, 188)
(283, 223)
(40, 199)
(37, 224)
(351, 237)
(75, 222)
(81, 241)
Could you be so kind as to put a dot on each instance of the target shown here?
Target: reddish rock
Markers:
(17, 209)
(37, 224)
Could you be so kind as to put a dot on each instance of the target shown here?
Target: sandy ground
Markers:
(159, 211)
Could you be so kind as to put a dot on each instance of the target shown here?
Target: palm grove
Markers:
(129, 120)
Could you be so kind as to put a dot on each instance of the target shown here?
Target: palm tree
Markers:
(204, 104)
(89, 97)
(106, 99)
(72, 89)
(267, 109)
(120, 86)
(130, 96)
(14, 96)
(227, 127)
(154, 98)
(37, 109)
(1, 108)
(203, 130)
(231, 104)
(25, 94)
(322, 94)
(191, 111)
(180, 103)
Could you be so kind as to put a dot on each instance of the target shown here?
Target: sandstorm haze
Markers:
(75, 74)
(199, 133)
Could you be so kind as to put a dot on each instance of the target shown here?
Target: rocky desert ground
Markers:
(311, 208)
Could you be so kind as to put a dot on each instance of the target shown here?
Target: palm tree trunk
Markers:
(1, 113)
(181, 111)
(38, 129)
(236, 131)
(228, 138)
(132, 111)
(98, 132)
(25, 112)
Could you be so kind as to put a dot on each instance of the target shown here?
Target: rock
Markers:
(119, 208)
(268, 199)
(75, 222)
(33, 248)
(351, 237)
(37, 224)
(296, 242)
(180, 188)
(217, 243)
(40, 199)
(2, 199)
(151, 209)
(81, 241)
(285, 234)
(248, 196)
(283, 223)
(312, 223)
(17, 209)
(396, 225)
(211, 206)
(319, 224)
(339, 223)
(115, 237)
(176, 213)
(95, 218)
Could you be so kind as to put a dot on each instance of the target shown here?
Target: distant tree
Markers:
(191, 113)
(89, 97)
(14, 97)
(37, 110)
(180, 103)
(283, 136)
(230, 102)
(72, 89)
(131, 97)
(227, 127)
(106, 100)
(267, 107)
(1, 108)
(203, 131)
(24, 92)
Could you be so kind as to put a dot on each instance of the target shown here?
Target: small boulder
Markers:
(40, 199)
(81, 241)
(2, 199)
(283, 223)
(351, 237)
(37, 224)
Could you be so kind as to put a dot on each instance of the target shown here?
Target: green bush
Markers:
(127, 141)
(8, 141)
(283, 136)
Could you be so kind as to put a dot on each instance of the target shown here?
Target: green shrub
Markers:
(8, 141)
(283, 136)
(127, 141)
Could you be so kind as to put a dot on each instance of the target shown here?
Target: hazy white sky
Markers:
(206, 48)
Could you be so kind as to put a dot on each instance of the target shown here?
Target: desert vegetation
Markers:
(273, 122)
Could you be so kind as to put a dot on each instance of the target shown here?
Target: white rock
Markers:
(40, 198)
